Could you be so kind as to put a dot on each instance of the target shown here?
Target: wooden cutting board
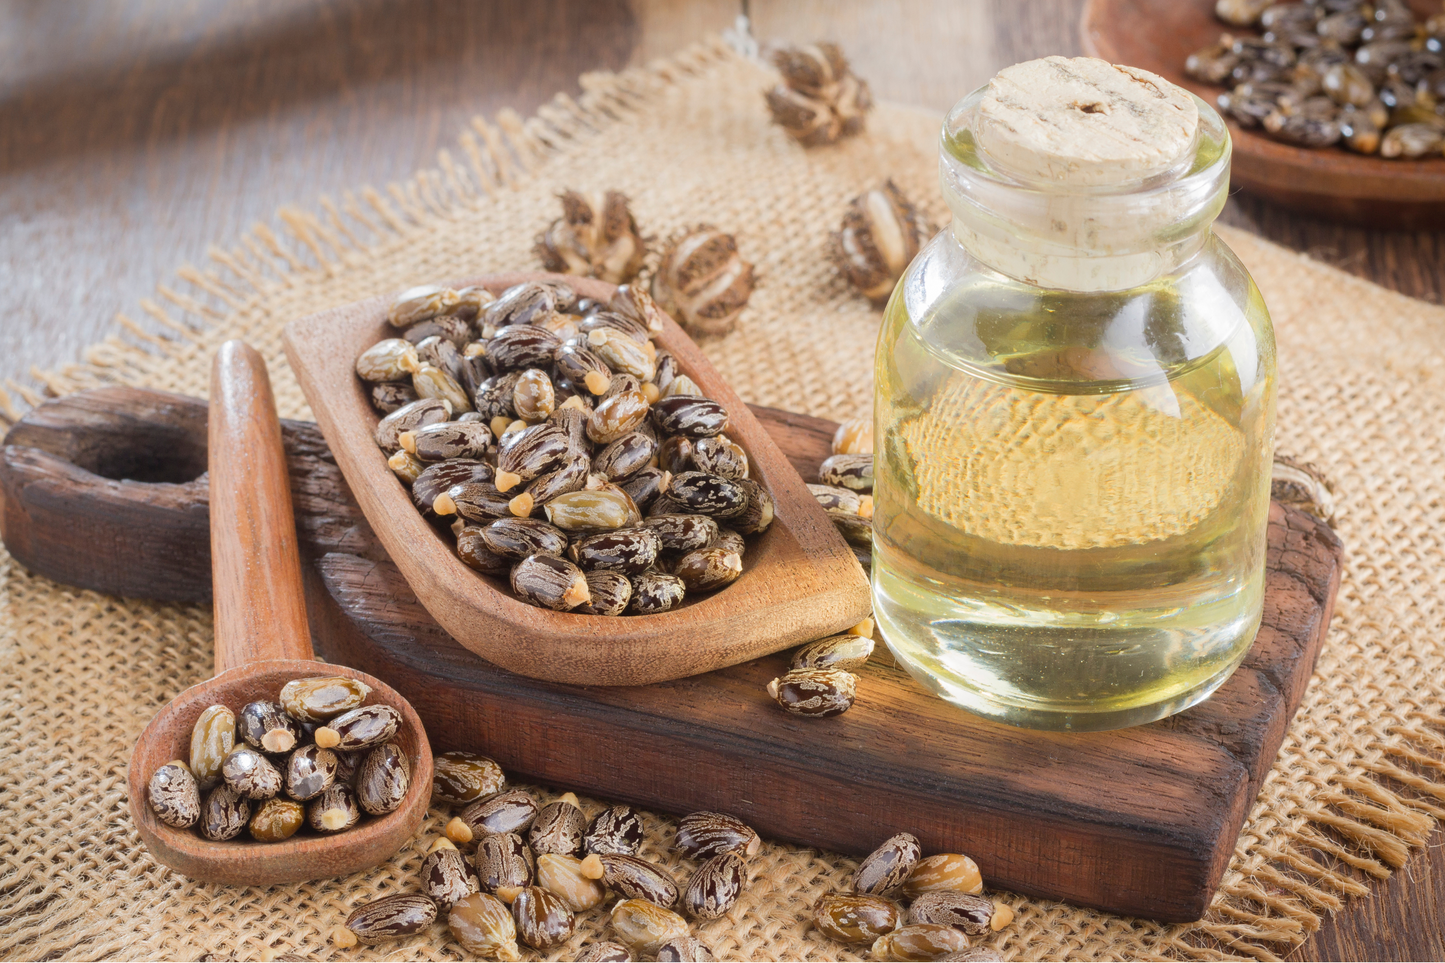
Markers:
(1140, 821)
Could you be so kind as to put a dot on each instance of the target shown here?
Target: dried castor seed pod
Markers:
(655, 592)
(645, 926)
(885, 869)
(517, 538)
(224, 814)
(853, 918)
(450, 439)
(174, 796)
(445, 875)
(921, 941)
(504, 812)
(944, 872)
(846, 652)
(251, 774)
(429, 381)
(809, 120)
(605, 952)
(854, 436)
(421, 303)
(629, 551)
(689, 417)
(684, 949)
(617, 830)
(1301, 485)
(720, 455)
(266, 727)
(484, 927)
(882, 233)
(333, 810)
(759, 513)
(543, 920)
(392, 917)
(582, 512)
(212, 740)
(320, 698)
(966, 912)
(711, 495)
(702, 835)
(390, 396)
(549, 582)
(382, 779)
(702, 281)
(562, 876)
(853, 472)
(360, 728)
(558, 828)
(392, 359)
(715, 886)
(418, 414)
(709, 569)
(632, 876)
(596, 236)
(276, 820)
(610, 593)
(816, 693)
(462, 777)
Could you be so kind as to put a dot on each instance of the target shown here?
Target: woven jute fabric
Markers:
(1358, 785)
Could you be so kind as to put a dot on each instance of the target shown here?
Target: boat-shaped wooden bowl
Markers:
(800, 580)
(1158, 35)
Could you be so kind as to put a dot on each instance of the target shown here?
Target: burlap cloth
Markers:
(1361, 778)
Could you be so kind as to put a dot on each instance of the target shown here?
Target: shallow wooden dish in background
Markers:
(1158, 35)
(800, 581)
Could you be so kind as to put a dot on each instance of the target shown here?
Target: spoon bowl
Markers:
(262, 642)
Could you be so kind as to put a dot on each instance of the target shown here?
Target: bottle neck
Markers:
(1083, 239)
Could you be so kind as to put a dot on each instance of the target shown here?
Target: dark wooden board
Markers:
(1140, 821)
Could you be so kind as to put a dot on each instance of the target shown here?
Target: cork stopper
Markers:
(1084, 122)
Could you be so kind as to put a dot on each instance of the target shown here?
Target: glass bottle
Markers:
(1074, 413)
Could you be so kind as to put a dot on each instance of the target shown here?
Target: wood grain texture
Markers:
(1158, 35)
(139, 131)
(800, 580)
(260, 604)
(1140, 821)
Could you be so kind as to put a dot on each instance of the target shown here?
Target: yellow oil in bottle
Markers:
(1069, 519)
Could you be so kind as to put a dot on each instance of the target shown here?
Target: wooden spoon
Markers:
(262, 642)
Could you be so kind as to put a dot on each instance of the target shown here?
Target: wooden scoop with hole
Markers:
(262, 642)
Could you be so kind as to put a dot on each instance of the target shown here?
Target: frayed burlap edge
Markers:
(1320, 838)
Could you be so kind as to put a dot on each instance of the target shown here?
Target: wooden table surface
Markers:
(134, 133)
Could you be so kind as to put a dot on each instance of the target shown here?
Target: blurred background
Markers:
(133, 133)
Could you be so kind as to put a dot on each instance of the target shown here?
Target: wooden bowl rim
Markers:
(606, 650)
(242, 860)
(1263, 162)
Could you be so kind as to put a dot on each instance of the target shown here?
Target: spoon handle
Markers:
(260, 609)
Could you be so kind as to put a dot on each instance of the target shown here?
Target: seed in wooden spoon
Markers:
(361, 728)
(267, 727)
(224, 814)
(310, 770)
(251, 774)
(174, 795)
(334, 810)
(320, 698)
(276, 820)
(382, 779)
(212, 740)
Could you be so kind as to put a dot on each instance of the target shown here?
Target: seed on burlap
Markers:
(392, 917)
